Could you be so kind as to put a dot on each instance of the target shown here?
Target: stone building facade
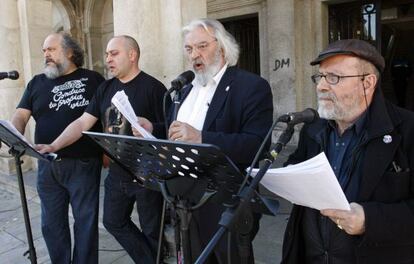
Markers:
(287, 35)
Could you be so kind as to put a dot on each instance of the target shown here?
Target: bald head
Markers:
(130, 44)
(122, 55)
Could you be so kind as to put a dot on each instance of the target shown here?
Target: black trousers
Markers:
(204, 225)
(120, 197)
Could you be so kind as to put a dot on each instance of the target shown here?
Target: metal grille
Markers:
(356, 20)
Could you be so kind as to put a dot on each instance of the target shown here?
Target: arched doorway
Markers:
(91, 23)
(100, 22)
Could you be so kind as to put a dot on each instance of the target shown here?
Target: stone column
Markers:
(23, 26)
(156, 25)
(295, 34)
(310, 32)
(281, 48)
(11, 59)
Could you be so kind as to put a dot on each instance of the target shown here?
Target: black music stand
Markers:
(167, 164)
(19, 146)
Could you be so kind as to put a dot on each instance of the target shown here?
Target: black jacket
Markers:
(386, 191)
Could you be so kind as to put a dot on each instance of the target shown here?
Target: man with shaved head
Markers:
(55, 99)
(122, 191)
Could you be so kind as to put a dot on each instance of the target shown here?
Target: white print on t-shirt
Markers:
(71, 93)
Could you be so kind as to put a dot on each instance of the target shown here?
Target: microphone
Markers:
(308, 115)
(177, 84)
(14, 75)
(182, 80)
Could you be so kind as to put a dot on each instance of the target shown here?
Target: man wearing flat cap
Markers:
(369, 143)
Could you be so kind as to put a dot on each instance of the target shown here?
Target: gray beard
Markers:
(55, 71)
(338, 111)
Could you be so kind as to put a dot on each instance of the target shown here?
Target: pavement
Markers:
(13, 238)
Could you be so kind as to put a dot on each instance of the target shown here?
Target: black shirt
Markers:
(145, 94)
(55, 103)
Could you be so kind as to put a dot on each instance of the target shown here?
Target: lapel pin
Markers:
(387, 139)
(227, 88)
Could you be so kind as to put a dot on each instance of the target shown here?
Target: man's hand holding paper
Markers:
(145, 124)
(352, 221)
(121, 102)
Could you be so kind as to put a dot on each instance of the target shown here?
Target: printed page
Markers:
(120, 100)
(311, 183)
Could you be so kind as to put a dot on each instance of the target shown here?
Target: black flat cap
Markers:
(352, 47)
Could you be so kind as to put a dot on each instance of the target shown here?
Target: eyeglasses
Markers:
(332, 78)
(199, 47)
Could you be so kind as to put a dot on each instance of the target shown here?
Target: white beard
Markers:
(203, 77)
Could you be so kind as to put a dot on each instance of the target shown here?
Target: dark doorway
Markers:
(389, 25)
(357, 19)
(245, 30)
(398, 50)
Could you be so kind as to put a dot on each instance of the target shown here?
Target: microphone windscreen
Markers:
(14, 75)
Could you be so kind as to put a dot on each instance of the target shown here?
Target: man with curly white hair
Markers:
(224, 106)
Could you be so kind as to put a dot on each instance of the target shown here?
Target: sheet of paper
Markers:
(120, 100)
(311, 183)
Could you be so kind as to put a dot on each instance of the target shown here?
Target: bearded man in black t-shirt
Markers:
(122, 191)
(54, 99)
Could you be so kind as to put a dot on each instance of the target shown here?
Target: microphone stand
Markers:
(31, 252)
(176, 103)
(242, 200)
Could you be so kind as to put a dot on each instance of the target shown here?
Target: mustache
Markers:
(327, 95)
(197, 61)
(49, 60)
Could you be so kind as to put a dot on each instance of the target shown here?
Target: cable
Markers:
(164, 112)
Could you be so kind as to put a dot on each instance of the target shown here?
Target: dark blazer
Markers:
(386, 188)
(239, 117)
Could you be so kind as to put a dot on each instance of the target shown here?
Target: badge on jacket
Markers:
(387, 139)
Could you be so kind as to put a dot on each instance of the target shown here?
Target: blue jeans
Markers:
(75, 182)
(120, 197)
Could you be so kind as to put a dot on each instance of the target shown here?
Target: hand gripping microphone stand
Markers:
(246, 192)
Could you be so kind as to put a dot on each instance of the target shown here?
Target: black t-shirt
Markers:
(145, 94)
(55, 103)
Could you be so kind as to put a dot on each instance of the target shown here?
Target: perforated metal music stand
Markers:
(19, 147)
(164, 161)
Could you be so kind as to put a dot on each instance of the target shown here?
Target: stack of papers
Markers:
(120, 100)
(311, 183)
